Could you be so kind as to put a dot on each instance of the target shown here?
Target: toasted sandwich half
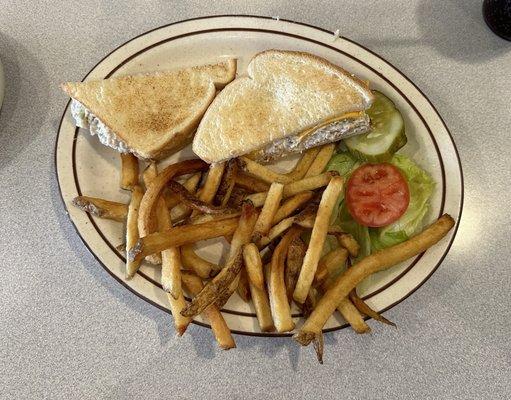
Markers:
(149, 115)
(288, 102)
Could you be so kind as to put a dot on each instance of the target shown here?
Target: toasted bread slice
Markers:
(151, 115)
(284, 94)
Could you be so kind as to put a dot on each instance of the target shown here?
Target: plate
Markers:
(86, 167)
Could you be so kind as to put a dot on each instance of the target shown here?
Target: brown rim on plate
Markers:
(403, 273)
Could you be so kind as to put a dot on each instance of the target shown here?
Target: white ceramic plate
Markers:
(86, 167)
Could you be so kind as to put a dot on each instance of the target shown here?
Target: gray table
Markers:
(68, 330)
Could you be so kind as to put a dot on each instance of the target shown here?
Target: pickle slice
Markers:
(387, 133)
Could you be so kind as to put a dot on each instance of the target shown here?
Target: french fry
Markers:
(180, 236)
(378, 261)
(250, 183)
(213, 179)
(197, 264)
(328, 263)
(215, 287)
(132, 229)
(243, 288)
(276, 231)
(223, 336)
(347, 241)
(352, 316)
(291, 205)
(294, 262)
(303, 164)
(253, 265)
(200, 219)
(176, 306)
(241, 237)
(227, 183)
(206, 195)
(154, 189)
(102, 208)
(307, 307)
(365, 309)
(320, 162)
(190, 184)
(280, 309)
(312, 183)
(129, 171)
(170, 258)
(262, 172)
(193, 202)
(148, 176)
(271, 204)
(318, 236)
(262, 308)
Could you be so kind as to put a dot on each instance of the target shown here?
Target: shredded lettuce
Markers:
(421, 188)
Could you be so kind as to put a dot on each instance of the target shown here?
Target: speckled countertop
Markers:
(68, 330)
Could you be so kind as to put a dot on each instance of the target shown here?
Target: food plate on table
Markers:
(87, 168)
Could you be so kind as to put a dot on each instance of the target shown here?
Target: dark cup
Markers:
(497, 14)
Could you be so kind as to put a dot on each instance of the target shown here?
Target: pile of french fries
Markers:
(264, 215)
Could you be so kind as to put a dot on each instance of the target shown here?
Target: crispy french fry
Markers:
(276, 231)
(250, 183)
(365, 309)
(303, 164)
(253, 265)
(180, 236)
(312, 183)
(215, 287)
(347, 241)
(154, 189)
(176, 306)
(291, 205)
(294, 261)
(307, 307)
(271, 204)
(243, 288)
(205, 195)
(193, 202)
(260, 171)
(132, 229)
(102, 208)
(200, 219)
(241, 237)
(129, 171)
(223, 336)
(170, 258)
(280, 309)
(148, 176)
(208, 191)
(318, 236)
(227, 183)
(375, 262)
(328, 263)
(197, 264)
(351, 315)
(320, 162)
(190, 184)
(262, 308)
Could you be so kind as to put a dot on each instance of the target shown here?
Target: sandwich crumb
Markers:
(336, 34)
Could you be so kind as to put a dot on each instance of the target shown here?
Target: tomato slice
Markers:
(377, 194)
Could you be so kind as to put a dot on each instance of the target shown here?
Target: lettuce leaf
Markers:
(421, 187)
(359, 232)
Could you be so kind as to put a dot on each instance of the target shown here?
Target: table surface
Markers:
(68, 330)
